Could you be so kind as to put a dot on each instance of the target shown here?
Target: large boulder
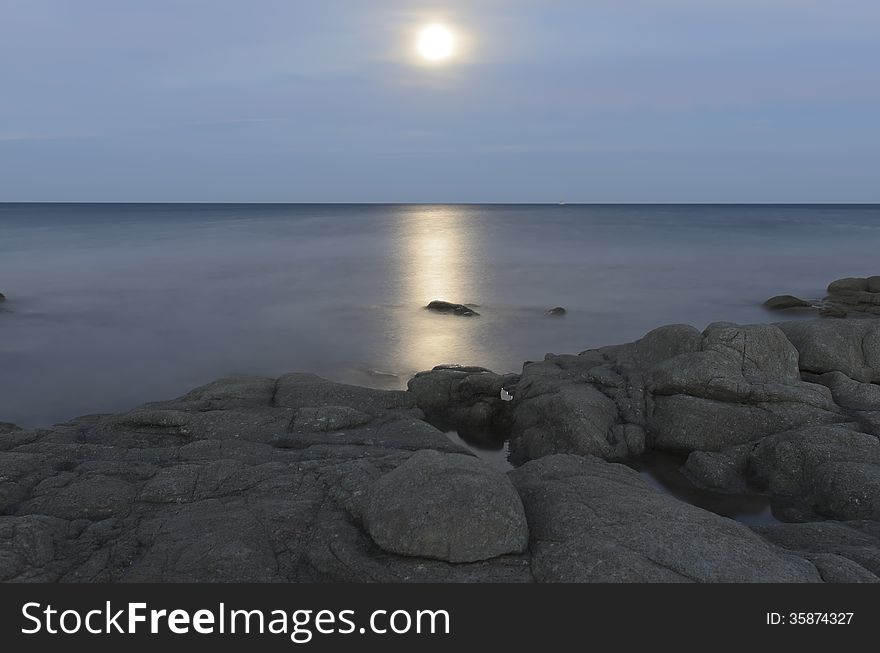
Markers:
(462, 397)
(850, 346)
(555, 414)
(742, 384)
(446, 506)
(593, 403)
(855, 296)
(675, 389)
(592, 521)
(829, 471)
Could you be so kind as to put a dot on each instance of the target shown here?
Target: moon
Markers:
(435, 43)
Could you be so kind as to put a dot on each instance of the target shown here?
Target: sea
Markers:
(112, 305)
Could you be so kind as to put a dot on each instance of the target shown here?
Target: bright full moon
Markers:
(436, 43)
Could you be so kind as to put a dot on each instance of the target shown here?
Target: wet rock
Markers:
(448, 307)
(446, 506)
(591, 521)
(784, 302)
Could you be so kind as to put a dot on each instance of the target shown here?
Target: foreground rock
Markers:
(595, 522)
(789, 410)
(446, 506)
(663, 390)
(302, 479)
(825, 472)
(847, 552)
(455, 309)
(246, 479)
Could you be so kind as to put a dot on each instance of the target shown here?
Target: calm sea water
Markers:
(112, 305)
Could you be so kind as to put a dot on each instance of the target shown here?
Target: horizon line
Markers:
(446, 203)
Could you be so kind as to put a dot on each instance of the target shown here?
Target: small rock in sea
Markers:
(781, 302)
(2, 297)
(556, 312)
(448, 307)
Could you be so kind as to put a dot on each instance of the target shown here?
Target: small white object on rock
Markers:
(505, 395)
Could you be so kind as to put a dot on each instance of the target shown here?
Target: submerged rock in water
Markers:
(559, 311)
(2, 297)
(784, 302)
(448, 307)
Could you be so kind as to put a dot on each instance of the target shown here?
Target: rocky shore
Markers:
(303, 479)
(849, 297)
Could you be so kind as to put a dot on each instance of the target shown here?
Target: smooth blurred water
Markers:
(111, 305)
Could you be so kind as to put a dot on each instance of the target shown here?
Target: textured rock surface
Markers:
(446, 506)
(830, 472)
(844, 552)
(856, 297)
(302, 479)
(246, 479)
(462, 397)
(851, 347)
(675, 389)
(591, 521)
